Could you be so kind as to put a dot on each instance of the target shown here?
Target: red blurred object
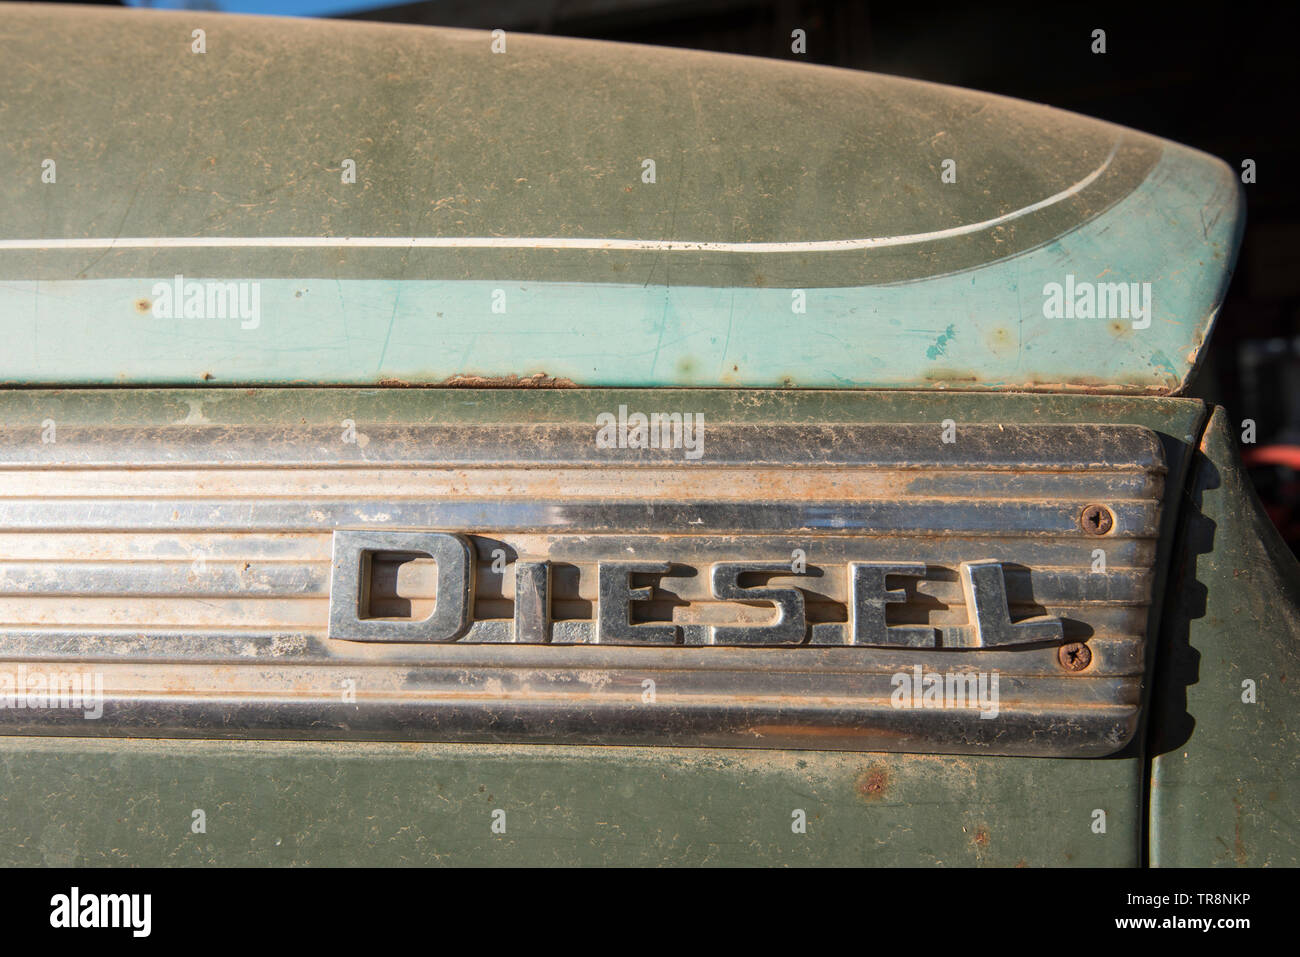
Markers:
(1277, 477)
(1287, 455)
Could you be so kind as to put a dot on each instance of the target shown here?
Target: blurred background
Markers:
(1219, 77)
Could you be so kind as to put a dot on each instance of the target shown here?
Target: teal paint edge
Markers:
(981, 329)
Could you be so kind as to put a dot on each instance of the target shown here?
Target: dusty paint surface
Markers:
(471, 247)
(1225, 783)
(271, 803)
(983, 328)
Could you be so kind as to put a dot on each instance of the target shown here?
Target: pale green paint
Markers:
(983, 328)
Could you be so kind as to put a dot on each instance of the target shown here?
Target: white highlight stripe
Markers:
(549, 242)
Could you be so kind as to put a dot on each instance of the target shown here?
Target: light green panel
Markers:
(979, 329)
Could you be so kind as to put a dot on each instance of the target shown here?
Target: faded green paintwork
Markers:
(86, 802)
(83, 801)
(1176, 419)
(1225, 785)
(544, 144)
(982, 327)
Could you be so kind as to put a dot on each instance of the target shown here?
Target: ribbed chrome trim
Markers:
(190, 567)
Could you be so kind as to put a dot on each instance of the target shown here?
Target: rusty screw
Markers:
(1096, 520)
(1074, 657)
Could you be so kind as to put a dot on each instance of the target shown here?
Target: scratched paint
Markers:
(941, 344)
(1179, 231)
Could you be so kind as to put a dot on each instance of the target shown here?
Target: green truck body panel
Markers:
(83, 802)
(800, 229)
(1225, 783)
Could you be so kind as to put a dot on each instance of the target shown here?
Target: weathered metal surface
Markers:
(229, 569)
(500, 227)
(1225, 782)
(130, 801)
(87, 802)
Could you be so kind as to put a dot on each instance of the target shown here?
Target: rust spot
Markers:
(143, 306)
(982, 836)
(873, 782)
(941, 376)
(1238, 845)
(1022, 863)
(1076, 656)
(538, 380)
(207, 376)
(1088, 384)
(1096, 519)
